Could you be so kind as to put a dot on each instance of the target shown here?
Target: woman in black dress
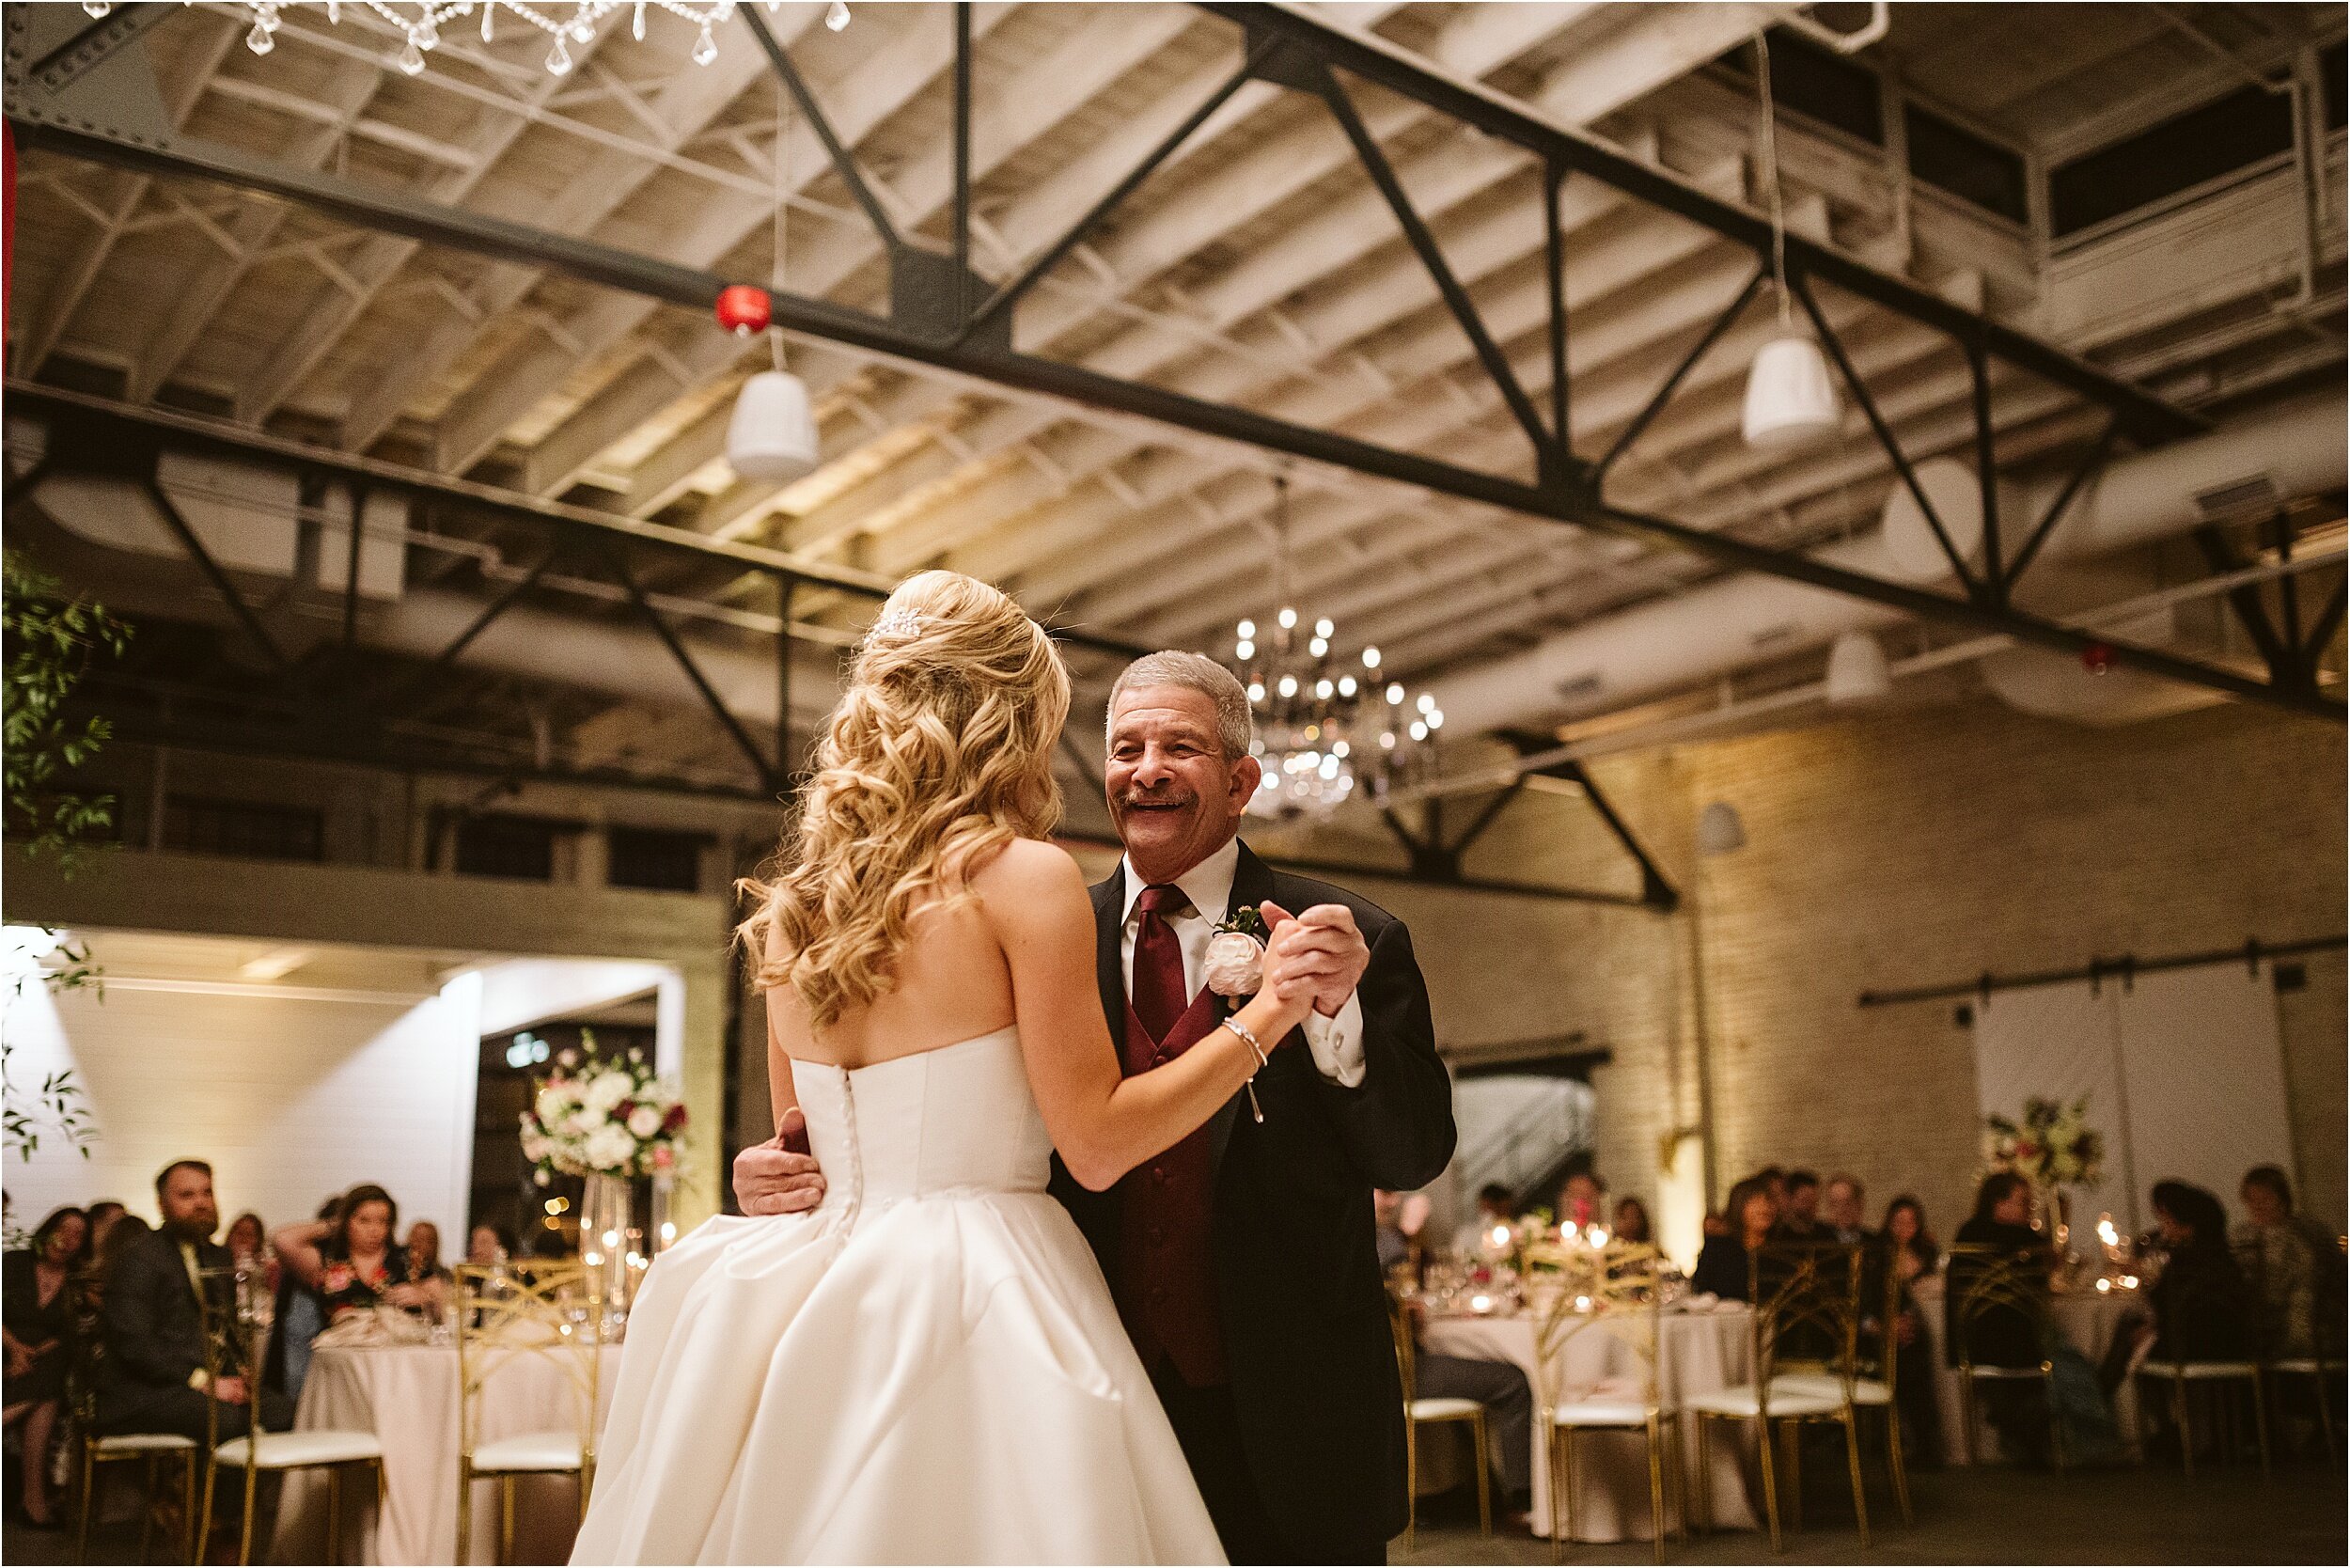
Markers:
(1721, 1269)
(350, 1262)
(36, 1302)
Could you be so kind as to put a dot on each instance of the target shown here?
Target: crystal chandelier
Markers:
(421, 23)
(1325, 724)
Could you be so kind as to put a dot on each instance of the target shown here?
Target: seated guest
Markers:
(1632, 1221)
(301, 1319)
(488, 1246)
(1502, 1388)
(103, 1215)
(1582, 1197)
(1907, 1239)
(2296, 1266)
(2002, 1335)
(424, 1253)
(1496, 1210)
(122, 1237)
(2202, 1309)
(1722, 1269)
(37, 1319)
(154, 1376)
(1800, 1210)
(1841, 1210)
(350, 1261)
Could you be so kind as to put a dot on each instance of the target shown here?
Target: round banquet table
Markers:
(2087, 1319)
(407, 1395)
(1696, 1353)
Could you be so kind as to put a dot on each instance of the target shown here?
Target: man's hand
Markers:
(1321, 945)
(778, 1177)
(229, 1391)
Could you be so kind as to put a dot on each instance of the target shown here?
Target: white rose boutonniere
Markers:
(1234, 965)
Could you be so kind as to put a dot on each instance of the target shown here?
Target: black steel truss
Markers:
(941, 315)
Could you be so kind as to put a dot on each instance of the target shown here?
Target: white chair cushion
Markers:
(1865, 1391)
(1602, 1412)
(1443, 1409)
(2193, 1371)
(532, 1451)
(1785, 1401)
(296, 1450)
(142, 1442)
(2004, 1371)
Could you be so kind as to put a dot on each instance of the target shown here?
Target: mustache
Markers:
(1152, 797)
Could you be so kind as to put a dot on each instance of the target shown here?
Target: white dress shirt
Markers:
(1337, 1044)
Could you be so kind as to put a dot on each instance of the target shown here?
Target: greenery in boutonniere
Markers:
(1246, 920)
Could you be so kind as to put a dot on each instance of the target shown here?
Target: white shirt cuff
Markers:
(1337, 1044)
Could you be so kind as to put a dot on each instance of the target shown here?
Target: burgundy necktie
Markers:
(1160, 996)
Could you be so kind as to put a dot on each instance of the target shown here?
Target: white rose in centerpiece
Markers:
(1234, 966)
(607, 1089)
(553, 1103)
(609, 1148)
(644, 1120)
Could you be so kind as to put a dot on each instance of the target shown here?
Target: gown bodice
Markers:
(959, 1120)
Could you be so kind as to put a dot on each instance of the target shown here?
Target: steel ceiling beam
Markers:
(140, 139)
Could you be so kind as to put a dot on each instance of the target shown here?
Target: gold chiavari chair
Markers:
(1610, 1291)
(1805, 1322)
(1420, 1412)
(237, 1309)
(2000, 1292)
(1876, 1392)
(151, 1450)
(2186, 1303)
(525, 1309)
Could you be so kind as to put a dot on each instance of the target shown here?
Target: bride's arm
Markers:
(1102, 1123)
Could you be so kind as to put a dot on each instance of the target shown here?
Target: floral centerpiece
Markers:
(602, 1116)
(2052, 1146)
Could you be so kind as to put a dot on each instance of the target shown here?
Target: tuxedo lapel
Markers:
(1109, 901)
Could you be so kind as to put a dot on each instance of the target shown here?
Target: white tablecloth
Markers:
(408, 1396)
(2087, 1319)
(1696, 1353)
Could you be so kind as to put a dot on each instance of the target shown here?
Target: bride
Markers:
(928, 1367)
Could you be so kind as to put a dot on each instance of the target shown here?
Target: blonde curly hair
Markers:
(939, 754)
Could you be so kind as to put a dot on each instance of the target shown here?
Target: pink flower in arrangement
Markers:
(663, 1158)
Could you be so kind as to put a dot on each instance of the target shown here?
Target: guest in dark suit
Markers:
(1243, 1260)
(155, 1376)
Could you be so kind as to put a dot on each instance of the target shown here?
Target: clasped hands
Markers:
(1319, 949)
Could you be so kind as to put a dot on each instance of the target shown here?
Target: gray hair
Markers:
(1198, 673)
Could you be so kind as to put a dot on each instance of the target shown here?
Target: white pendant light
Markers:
(772, 437)
(1855, 669)
(1790, 401)
(1791, 396)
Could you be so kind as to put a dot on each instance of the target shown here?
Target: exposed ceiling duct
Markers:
(2295, 450)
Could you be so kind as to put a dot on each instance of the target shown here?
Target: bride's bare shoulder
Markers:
(1031, 870)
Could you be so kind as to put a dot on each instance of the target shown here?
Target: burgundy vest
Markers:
(1165, 1285)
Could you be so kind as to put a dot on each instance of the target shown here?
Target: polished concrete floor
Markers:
(1985, 1515)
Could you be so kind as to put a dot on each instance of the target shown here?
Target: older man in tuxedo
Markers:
(1243, 1260)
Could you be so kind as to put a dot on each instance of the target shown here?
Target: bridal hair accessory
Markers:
(899, 623)
(1235, 963)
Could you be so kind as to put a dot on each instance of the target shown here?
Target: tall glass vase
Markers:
(605, 1218)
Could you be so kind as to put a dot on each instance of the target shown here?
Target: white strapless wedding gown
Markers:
(927, 1367)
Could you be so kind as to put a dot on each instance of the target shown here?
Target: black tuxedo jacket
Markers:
(152, 1323)
(1297, 1261)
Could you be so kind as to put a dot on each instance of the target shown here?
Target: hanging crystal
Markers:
(559, 57)
(95, 7)
(334, 13)
(411, 60)
(838, 16)
(259, 40)
(705, 47)
(636, 24)
(488, 12)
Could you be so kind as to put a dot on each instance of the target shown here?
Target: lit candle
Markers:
(1480, 1303)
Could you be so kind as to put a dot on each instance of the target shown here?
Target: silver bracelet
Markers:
(1248, 1037)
